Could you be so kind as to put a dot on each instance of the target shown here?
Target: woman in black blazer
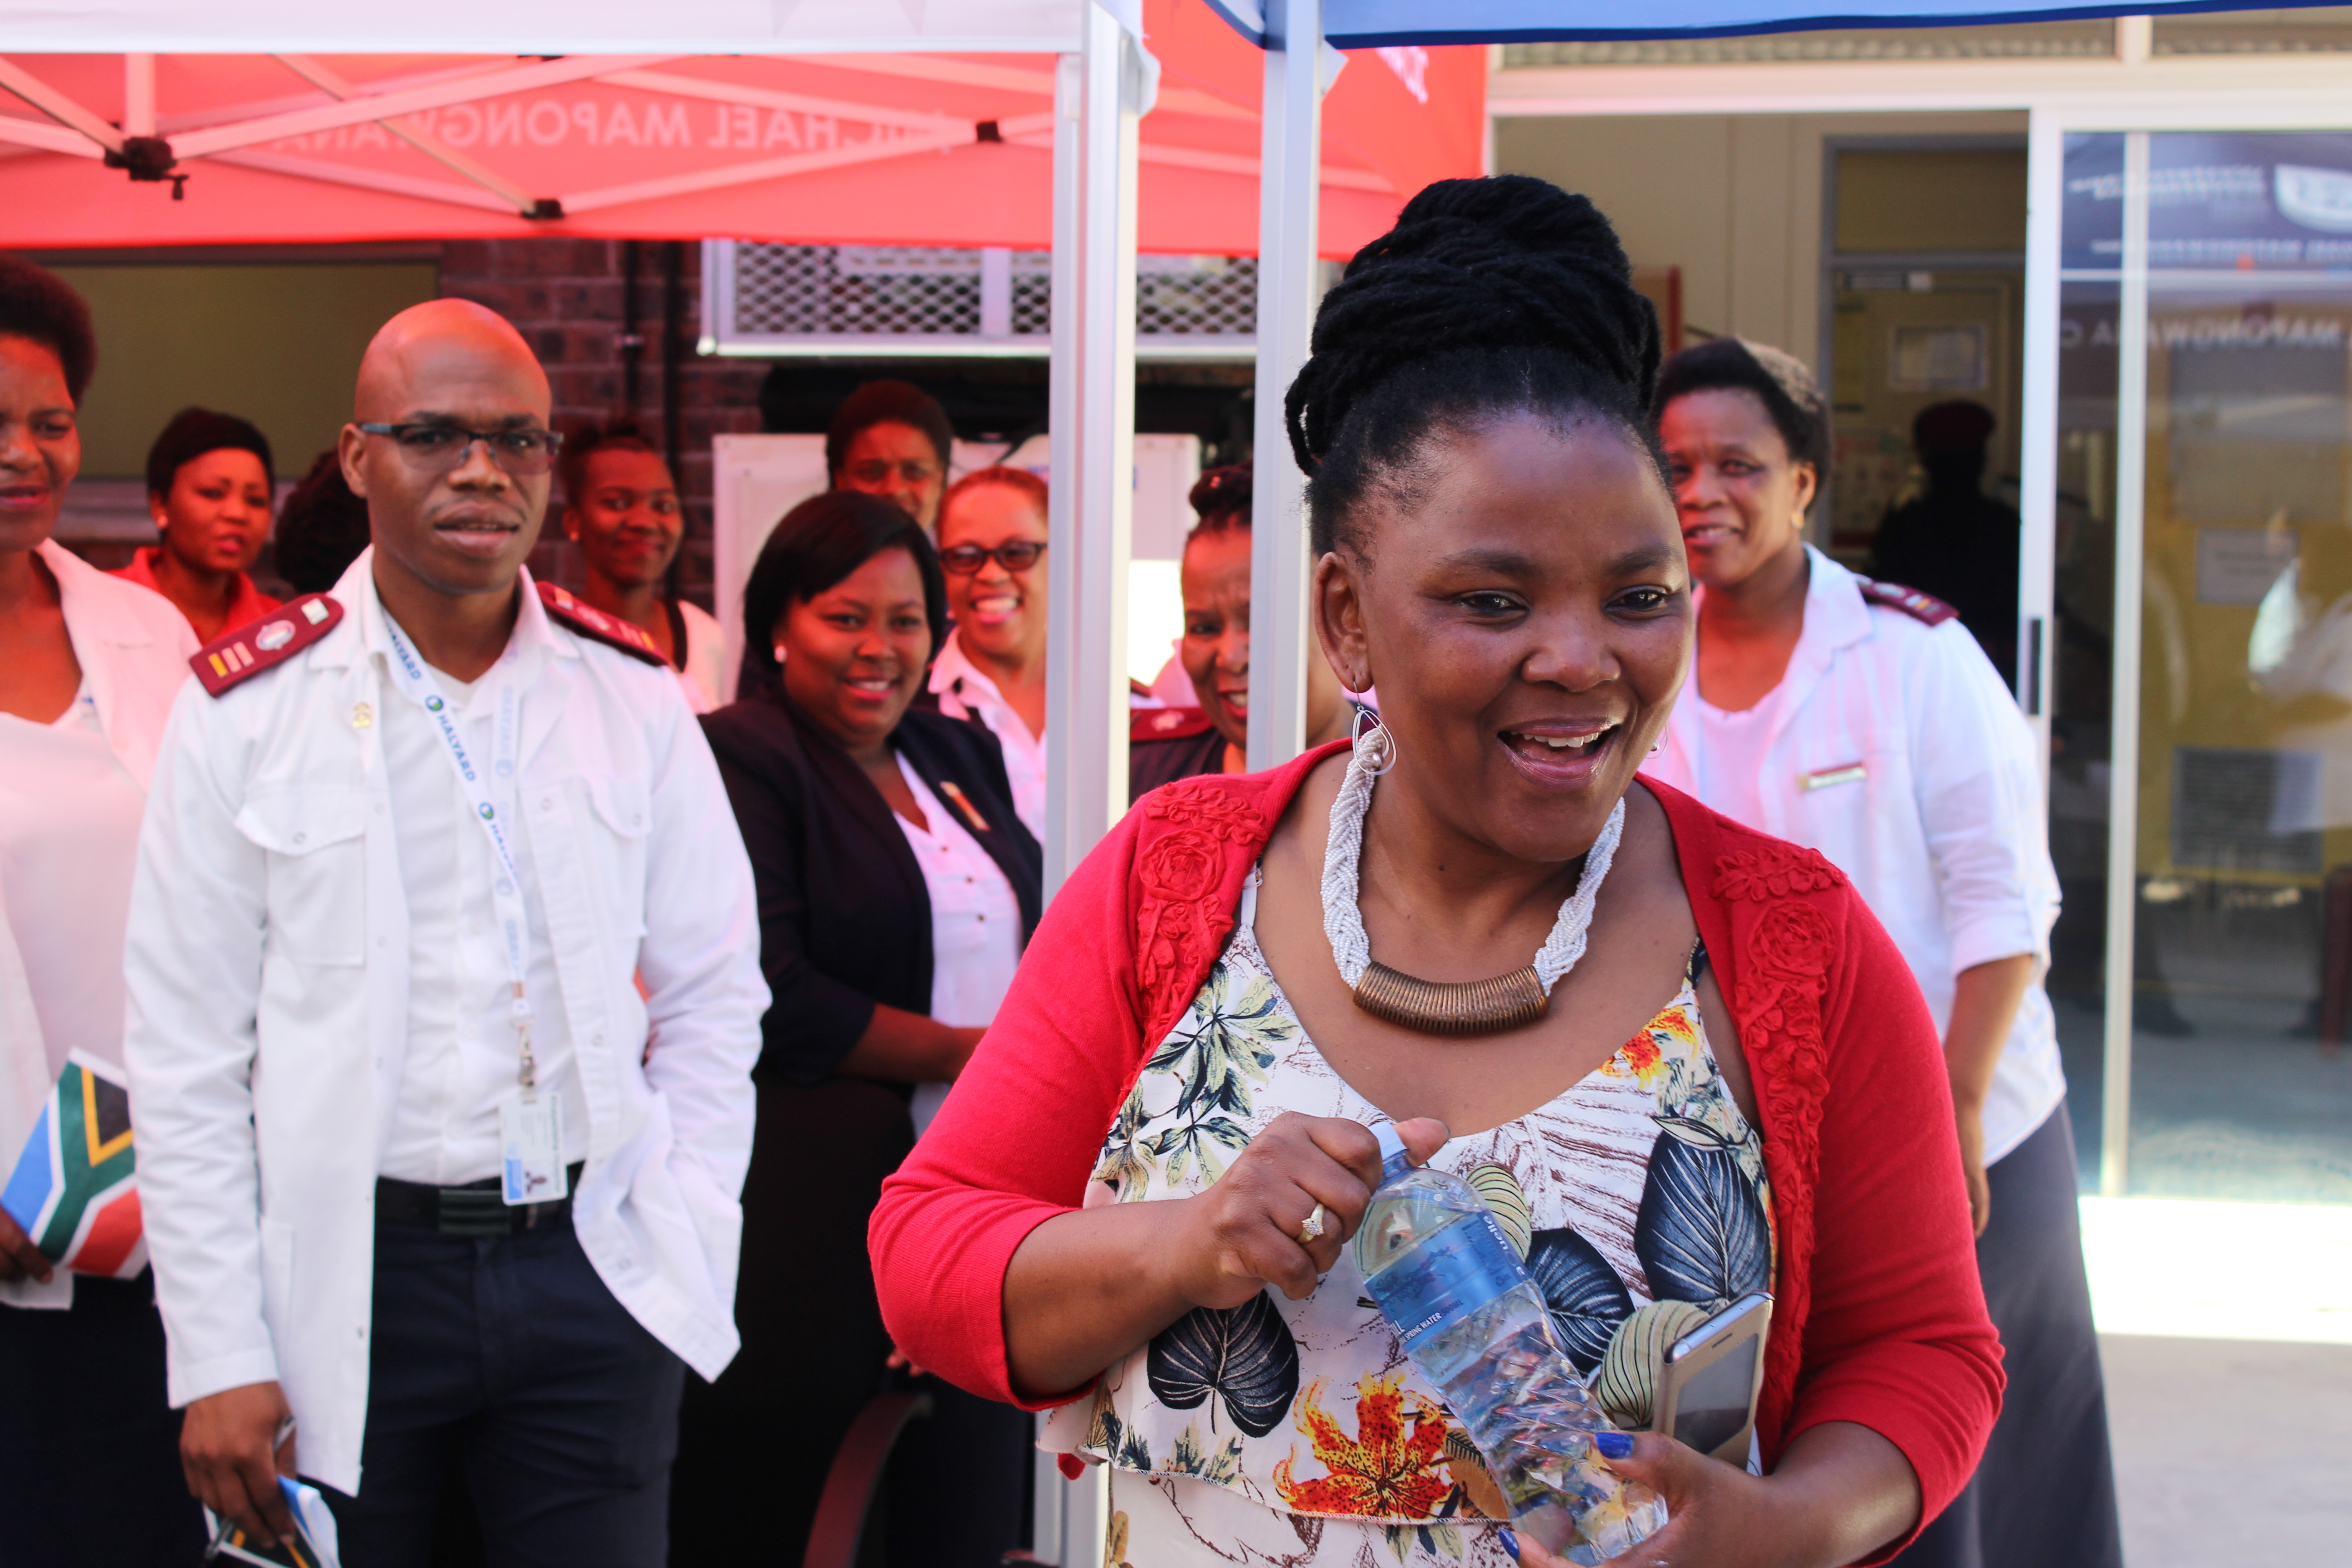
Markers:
(854, 806)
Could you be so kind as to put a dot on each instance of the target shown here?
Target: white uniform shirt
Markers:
(705, 658)
(1733, 744)
(462, 1048)
(1894, 749)
(965, 693)
(268, 971)
(69, 816)
(72, 794)
(975, 925)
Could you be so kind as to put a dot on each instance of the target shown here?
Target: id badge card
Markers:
(531, 1132)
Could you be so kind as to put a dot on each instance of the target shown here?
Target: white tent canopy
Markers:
(559, 26)
(1104, 82)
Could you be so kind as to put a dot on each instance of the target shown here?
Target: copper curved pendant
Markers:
(1455, 1007)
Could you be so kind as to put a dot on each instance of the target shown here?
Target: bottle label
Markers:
(1449, 1277)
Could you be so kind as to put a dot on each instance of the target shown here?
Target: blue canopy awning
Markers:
(1379, 24)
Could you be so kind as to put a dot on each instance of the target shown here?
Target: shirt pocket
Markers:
(621, 810)
(622, 805)
(316, 843)
(1838, 796)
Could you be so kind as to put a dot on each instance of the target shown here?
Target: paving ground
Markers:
(2231, 1453)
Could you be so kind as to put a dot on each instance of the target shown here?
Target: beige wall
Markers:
(276, 343)
(1733, 200)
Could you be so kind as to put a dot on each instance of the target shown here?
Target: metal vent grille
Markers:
(2240, 809)
(888, 291)
(1207, 294)
(1033, 293)
(774, 300)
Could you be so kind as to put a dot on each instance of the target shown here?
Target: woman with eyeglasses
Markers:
(992, 669)
(621, 508)
(897, 890)
(892, 439)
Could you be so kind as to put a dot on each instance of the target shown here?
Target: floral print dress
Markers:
(1297, 1433)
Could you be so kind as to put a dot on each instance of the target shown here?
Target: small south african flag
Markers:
(72, 1190)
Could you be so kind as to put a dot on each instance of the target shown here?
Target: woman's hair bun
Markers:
(1510, 209)
(1510, 264)
(1222, 493)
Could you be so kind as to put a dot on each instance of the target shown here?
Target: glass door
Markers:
(2201, 722)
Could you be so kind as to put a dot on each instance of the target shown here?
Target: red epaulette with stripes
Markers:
(271, 640)
(1166, 723)
(595, 624)
(1919, 607)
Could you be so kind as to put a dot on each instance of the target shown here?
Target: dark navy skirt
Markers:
(2044, 1496)
(89, 1447)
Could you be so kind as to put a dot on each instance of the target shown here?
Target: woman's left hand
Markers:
(1840, 1492)
(1718, 1515)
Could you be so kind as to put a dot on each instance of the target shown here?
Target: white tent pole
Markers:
(1064, 388)
(1288, 188)
(139, 95)
(1093, 437)
(58, 106)
(1090, 513)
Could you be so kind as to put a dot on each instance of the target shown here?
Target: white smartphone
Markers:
(1706, 1390)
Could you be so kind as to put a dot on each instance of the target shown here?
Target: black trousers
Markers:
(90, 1450)
(2045, 1495)
(506, 1361)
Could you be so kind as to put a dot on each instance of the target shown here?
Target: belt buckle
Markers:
(461, 1212)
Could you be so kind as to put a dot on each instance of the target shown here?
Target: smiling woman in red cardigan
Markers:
(1715, 1076)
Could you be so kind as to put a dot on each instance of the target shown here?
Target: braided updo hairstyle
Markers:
(1221, 501)
(1490, 297)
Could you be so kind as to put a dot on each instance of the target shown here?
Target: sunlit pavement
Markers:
(2226, 1329)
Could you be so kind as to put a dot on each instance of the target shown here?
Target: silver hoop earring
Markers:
(1378, 747)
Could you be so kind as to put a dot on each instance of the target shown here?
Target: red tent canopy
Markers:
(898, 149)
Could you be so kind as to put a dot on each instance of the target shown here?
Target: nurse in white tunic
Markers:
(90, 1466)
(1862, 719)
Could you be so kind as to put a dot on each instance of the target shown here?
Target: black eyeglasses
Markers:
(524, 450)
(965, 559)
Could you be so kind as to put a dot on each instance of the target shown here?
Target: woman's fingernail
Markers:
(1614, 1445)
(1510, 1544)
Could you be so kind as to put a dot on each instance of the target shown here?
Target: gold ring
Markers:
(1312, 1230)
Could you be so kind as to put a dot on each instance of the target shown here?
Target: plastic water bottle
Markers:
(1477, 1326)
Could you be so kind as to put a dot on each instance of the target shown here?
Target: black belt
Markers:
(475, 1209)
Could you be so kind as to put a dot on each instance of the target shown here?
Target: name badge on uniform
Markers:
(1845, 773)
(531, 1132)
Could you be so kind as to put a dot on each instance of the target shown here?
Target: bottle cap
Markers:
(1394, 1161)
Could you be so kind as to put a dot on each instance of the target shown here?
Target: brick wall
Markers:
(568, 297)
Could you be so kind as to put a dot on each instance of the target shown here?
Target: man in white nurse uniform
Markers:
(427, 1179)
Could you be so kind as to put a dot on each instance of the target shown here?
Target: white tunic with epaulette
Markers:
(270, 970)
(1891, 747)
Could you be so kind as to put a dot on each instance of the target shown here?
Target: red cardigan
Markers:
(1879, 1316)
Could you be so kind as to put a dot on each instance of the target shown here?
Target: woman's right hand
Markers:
(1243, 1233)
(899, 1047)
(1086, 1287)
(19, 1256)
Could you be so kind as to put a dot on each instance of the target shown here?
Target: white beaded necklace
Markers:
(1467, 1008)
